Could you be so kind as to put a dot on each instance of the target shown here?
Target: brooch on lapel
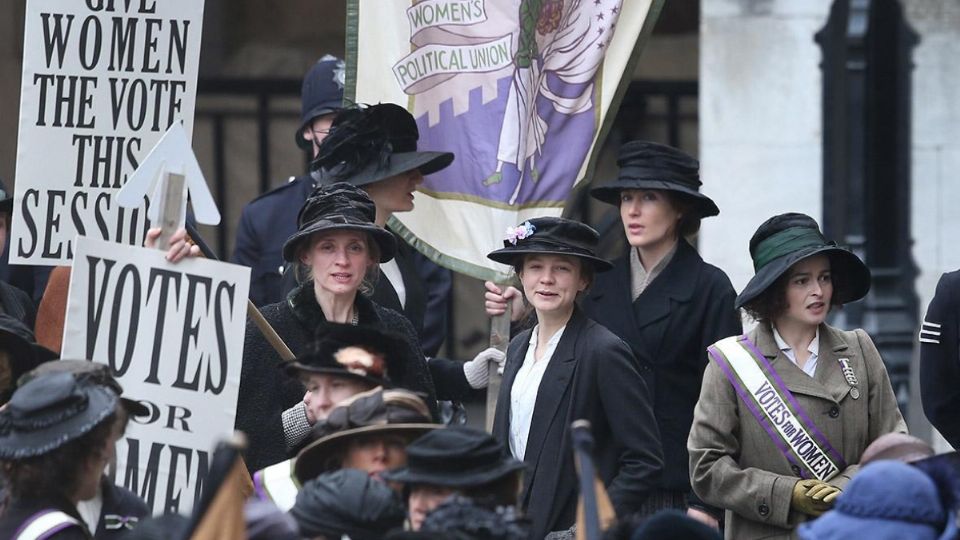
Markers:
(850, 376)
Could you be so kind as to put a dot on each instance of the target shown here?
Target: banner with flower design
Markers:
(522, 91)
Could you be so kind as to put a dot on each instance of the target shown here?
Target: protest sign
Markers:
(102, 81)
(169, 334)
(522, 91)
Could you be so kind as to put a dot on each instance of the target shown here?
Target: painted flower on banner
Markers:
(524, 230)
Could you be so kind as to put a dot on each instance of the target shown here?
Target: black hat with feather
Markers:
(367, 144)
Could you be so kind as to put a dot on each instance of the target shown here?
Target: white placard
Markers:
(173, 336)
(102, 81)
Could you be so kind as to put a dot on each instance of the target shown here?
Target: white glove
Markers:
(477, 371)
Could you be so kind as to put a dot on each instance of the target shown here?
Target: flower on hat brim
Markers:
(520, 232)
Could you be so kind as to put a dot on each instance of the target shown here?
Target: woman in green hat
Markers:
(786, 410)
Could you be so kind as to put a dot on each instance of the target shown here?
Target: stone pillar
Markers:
(760, 120)
(936, 146)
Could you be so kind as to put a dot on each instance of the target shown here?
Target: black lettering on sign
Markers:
(55, 39)
(129, 271)
(132, 475)
(166, 278)
(191, 464)
(25, 207)
(200, 306)
(191, 330)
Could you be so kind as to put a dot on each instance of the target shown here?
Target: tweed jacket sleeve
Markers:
(885, 416)
(621, 388)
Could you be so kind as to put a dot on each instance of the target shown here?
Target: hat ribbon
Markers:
(663, 174)
(786, 242)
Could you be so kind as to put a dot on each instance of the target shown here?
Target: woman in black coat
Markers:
(374, 147)
(662, 298)
(339, 243)
(567, 368)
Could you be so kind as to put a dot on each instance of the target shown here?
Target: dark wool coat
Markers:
(592, 375)
(684, 310)
(20, 511)
(940, 359)
(428, 288)
(266, 391)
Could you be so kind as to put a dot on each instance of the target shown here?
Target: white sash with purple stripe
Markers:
(776, 409)
(45, 524)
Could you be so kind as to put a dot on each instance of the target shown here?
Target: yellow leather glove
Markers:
(813, 497)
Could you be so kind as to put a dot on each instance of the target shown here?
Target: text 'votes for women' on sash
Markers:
(776, 409)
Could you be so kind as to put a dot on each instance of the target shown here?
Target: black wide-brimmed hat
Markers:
(551, 236)
(320, 94)
(374, 411)
(648, 165)
(372, 143)
(339, 206)
(357, 352)
(786, 239)
(95, 372)
(50, 411)
(457, 457)
(347, 503)
(23, 352)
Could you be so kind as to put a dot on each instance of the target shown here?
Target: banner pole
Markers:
(499, 339)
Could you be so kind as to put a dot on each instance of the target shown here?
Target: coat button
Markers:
(795, 469)
(834, 412)
(763, 509)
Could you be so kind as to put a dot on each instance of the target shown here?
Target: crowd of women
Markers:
(699, 429)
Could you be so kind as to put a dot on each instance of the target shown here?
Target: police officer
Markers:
(268, 220)
(940, 359)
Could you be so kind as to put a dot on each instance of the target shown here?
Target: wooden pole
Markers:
(171, 201)
(500, 339)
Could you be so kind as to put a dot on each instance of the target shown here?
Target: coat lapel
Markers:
(551, 392)
(793, 377)
(615, 285)
(829, 373)
(675, 284)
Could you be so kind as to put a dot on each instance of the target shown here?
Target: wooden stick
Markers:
(269, 333)
(500, 339)
(171, 201)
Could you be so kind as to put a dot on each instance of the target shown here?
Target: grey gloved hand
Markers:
(477, 371)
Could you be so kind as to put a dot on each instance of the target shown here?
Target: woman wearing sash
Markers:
(786, 411)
